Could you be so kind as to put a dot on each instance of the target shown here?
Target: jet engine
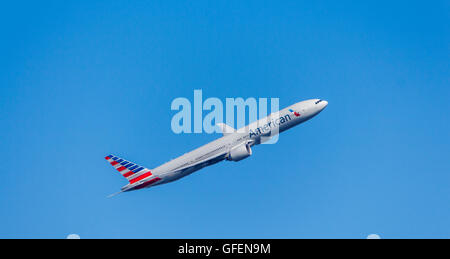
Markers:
(240, 152)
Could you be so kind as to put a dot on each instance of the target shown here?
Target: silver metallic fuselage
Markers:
(253, 134)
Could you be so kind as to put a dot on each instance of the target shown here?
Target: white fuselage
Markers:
(248, 136)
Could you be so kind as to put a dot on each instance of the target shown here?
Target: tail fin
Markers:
(127, 169)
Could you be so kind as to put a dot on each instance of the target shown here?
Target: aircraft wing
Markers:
(204, 162)
(226, 130)
(210, 160)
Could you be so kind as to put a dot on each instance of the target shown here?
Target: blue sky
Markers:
(82, 79)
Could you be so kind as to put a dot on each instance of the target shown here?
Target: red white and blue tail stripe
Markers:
(132, 172)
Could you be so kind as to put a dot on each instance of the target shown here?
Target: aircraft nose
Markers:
(322, 104)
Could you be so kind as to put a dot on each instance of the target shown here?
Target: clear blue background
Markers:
(79, 80)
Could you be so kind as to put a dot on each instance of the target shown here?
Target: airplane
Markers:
(234, 145)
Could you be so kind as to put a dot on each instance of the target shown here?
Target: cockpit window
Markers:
(318, 101)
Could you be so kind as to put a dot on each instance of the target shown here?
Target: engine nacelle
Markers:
(240, 152)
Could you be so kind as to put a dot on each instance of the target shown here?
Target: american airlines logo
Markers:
(266, 128)
(295, 113)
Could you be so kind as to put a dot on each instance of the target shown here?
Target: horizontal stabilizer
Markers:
(114, 194)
